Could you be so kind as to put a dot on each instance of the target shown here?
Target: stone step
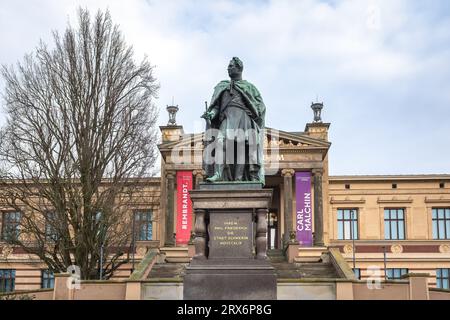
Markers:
(305, 270)
(276, 256)
(312, 266)
(283, 270)
(310, 254)
(277, 259)
(175, 254)
(275, 252)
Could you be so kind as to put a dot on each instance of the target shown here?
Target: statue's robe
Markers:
(255, 109)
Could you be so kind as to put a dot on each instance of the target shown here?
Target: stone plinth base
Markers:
(230, 261)
(232, 280)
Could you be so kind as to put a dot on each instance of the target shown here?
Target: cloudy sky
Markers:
(381, 67)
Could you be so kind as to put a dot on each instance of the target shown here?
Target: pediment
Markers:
(289, 140)
(273, 139)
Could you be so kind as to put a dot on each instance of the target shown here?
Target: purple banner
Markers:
(303, 208)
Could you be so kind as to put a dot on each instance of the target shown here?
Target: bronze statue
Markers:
(234, 130)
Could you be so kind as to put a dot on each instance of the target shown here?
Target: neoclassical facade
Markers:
(385, 226)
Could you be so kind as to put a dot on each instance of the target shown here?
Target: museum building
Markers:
(382, 226)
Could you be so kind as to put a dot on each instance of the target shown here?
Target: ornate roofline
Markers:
(292, 139)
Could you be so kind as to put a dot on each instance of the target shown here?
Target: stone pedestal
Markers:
(230, 261)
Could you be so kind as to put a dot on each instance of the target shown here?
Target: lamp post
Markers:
(133, 240)
(101, 261)
(101, 233)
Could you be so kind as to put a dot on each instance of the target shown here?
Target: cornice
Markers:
(389, 178)
(347, 201)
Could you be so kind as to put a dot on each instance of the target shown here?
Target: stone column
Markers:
(418, 286)
(198, 176)
(318, 208)
(261, 233)
(61, 290)
(170, 189)
(287, 174)
(200, 234)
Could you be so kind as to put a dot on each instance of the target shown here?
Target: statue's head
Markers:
(235, 68)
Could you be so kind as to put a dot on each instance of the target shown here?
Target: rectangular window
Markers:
(7, 280)
(394, 224)
(357, 272)
(441, 223)
(10, 226)
(143, 225)
(347, 224)
(47, 279)
(50, 226)
(396, 273)
(442, 278)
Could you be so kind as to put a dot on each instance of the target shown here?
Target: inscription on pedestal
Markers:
(230, 235)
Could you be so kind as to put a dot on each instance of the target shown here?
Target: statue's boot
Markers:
(217, 174)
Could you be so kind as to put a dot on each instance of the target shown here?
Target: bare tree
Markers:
(80, 135)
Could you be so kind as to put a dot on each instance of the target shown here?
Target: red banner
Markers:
(184, 207)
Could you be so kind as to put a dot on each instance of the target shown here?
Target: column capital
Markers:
(199, 172)
(317, 172)
(287, 172)
(170, 174)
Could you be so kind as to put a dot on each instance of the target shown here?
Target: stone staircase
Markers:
(174, 267)
(305, 270)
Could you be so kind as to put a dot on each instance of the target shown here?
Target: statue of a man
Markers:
(234, 131)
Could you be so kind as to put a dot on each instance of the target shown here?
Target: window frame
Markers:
(344, 220)
(4, 281)
(435, 223)
(357, 273)
(51, 233)
(6, 223)
(390, 221)
(440, 278)
(47, 279)
(147, 223)
(402, 272)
